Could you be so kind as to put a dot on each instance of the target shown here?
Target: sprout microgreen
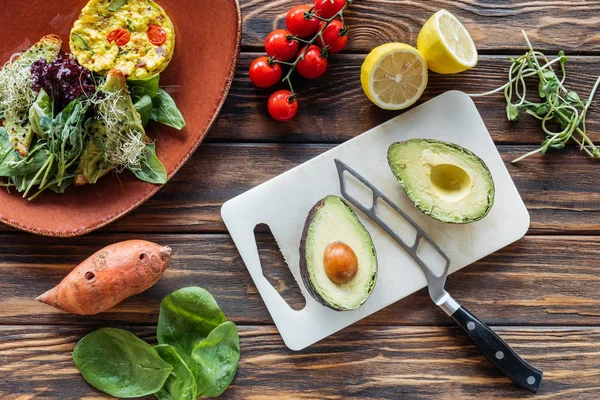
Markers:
(558, 107)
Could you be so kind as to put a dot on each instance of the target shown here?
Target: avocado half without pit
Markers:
(444, 180)
(338, 262)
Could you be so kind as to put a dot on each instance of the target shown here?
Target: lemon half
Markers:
(394, 76)
(446, 44)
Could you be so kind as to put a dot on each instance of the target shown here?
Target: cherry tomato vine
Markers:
(316, 29)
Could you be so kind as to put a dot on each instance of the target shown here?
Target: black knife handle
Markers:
(498, 352)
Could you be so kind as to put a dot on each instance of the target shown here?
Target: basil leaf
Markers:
(186, 318)
(215, 360)
(120, 364)
(181, 383)
(150, 169)
(144, 107)
(141, 87)
(165, 111)
(116, 5)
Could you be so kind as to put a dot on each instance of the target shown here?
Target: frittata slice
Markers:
(17, 94)
(136, 37)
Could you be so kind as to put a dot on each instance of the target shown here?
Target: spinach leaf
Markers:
(120, 364)
(144, 107)
(42, 108)
(116, 5)
(142, 87)
(186, 318)
(13, 165)
(215, 360)
(150, 169)
(5, 147)
(181, 384)
(166, 112)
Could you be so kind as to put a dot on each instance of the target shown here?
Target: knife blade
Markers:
(496, 350)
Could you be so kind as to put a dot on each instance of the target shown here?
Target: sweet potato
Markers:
(109, 276)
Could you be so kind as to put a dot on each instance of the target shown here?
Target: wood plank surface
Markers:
(560, 189)
(536, 281)
(541, 294)
(495, 25)
(320, 120)
(357, 363)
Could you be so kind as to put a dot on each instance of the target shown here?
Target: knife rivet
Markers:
(499, 355)
(471, 325)
(531, 380)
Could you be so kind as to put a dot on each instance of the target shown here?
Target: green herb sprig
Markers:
(561, 111)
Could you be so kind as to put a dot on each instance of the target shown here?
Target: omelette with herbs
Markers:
(135, 37)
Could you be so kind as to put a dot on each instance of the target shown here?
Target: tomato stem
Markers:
(308, 43)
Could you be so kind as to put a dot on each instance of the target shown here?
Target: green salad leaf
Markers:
(120, 364)
(166, 112)
(186, 318)
(142, 87)
(215, 360)
(150, 168)
(181, 384)
(144, 107)
(11, 163)
(42, 108)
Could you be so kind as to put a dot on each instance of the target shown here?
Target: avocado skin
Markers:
(428, 211)
(303, 263)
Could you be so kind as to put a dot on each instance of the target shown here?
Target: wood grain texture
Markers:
(334, 108)
(495, 25)
(365, 363)
(536, 281)
(560, 189)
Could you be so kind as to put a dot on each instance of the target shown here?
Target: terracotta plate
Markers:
(208, 37)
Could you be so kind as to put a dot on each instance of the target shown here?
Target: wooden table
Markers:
(541, 294)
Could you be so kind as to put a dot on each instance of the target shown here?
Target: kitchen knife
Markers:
(496, 350)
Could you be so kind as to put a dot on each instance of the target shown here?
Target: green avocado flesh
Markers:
(444, 180)
(333, 221)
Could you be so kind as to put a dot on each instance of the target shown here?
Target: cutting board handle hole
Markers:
(275, 269)
(358, 191)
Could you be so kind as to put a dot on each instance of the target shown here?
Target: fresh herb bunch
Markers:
(558, 107)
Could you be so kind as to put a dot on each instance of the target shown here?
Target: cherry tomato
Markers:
(313, 65)
(264, 73)
(120, 36)
(328, 8)
(334, 36)
(279, 47)
(156, 35)
(283, 106)
(297, 23)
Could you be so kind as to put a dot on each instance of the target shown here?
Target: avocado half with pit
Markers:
(338, 262)
(444, 180)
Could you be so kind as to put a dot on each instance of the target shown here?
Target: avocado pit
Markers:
(341, 263)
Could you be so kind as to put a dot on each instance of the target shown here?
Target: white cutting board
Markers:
(284, 202)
